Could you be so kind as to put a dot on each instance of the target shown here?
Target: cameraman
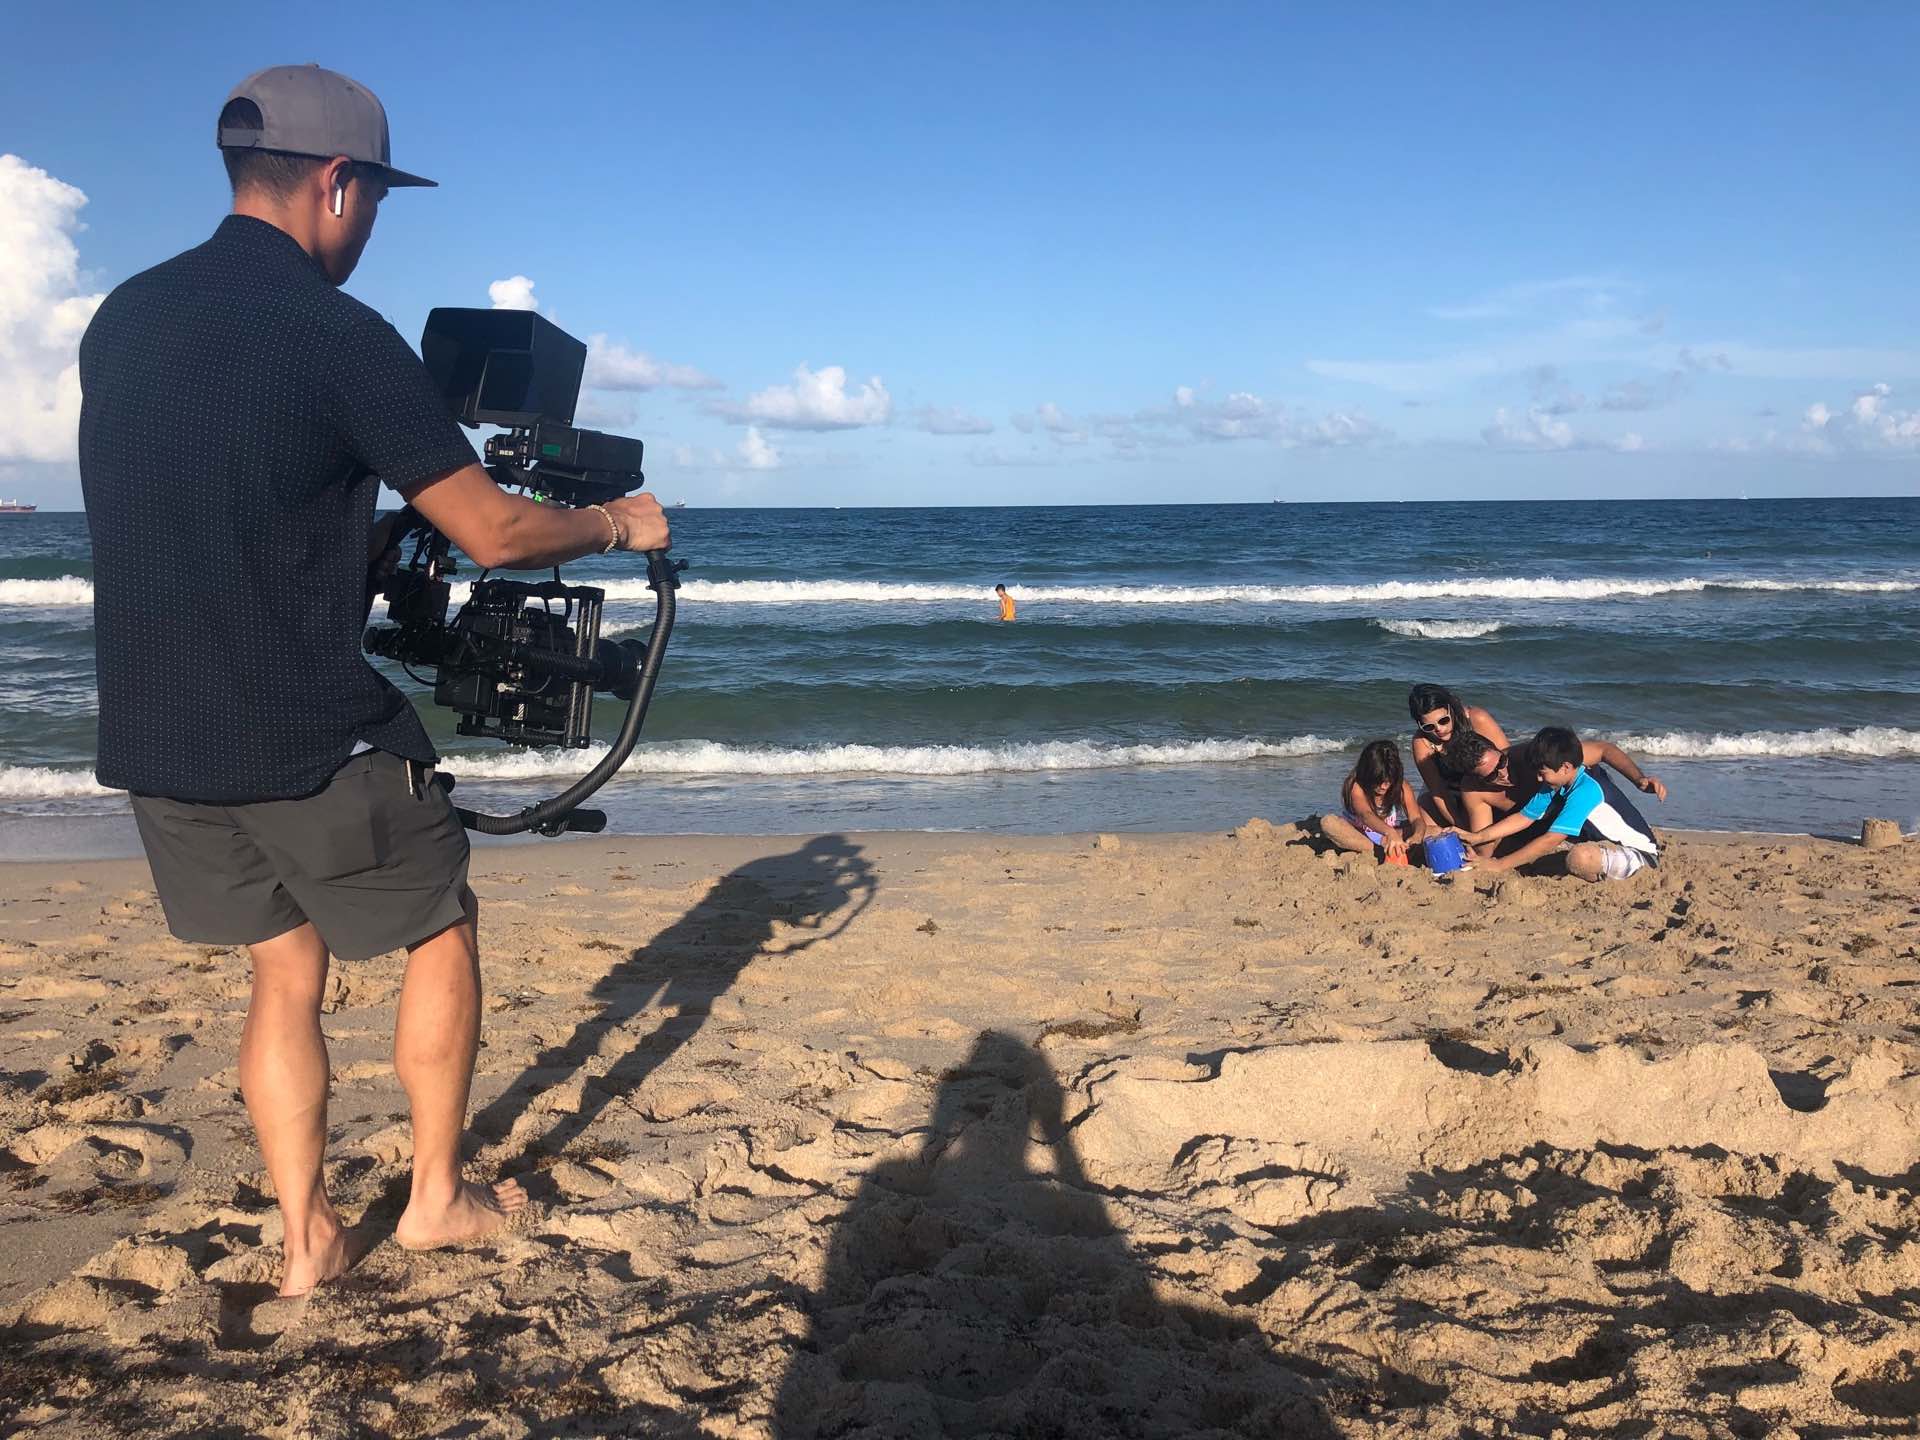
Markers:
(239, 415)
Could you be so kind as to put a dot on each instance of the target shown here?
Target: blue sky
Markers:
(999, 253)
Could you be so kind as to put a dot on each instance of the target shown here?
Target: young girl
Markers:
(1380, 808)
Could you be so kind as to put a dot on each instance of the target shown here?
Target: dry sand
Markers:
(912, 1135)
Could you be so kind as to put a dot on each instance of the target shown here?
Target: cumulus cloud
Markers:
(612, 366)
(1869, 422)
(42, 313)
(950, 421)
(754, 452)
(1537, 429)
(513, 293)
(816, 400)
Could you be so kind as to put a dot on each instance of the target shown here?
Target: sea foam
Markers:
(1440, 629)
(712, 758)
(1869, 741)
(73, 590)
(708, 757)
(47, 782)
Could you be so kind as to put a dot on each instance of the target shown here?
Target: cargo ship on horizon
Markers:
(16, 507)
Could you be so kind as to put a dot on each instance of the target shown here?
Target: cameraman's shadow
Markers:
(820, 887)
(980, 1288)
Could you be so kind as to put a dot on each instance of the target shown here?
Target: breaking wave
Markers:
(1440, 629)
(73, 590)
(708, 757)
(1876, 741)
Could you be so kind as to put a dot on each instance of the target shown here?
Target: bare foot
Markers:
(474, 1212)
(325, 1255)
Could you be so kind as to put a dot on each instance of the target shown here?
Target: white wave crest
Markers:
(72, 590)
(1490, 587)
(45, 782)
(1440, 629)
(67, 590)
(708, 757)
(1844, 587)
(1868, 741)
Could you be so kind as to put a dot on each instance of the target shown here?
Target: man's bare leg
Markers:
(1345, 835)
(434, 1041)
(283, 1075)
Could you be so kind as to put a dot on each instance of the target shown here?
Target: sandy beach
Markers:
(907, 1134)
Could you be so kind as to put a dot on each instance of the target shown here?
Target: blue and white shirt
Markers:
(1592, 808)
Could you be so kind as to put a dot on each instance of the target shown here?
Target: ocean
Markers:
(1172, 667)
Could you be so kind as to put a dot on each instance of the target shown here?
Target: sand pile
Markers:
(910, 1135)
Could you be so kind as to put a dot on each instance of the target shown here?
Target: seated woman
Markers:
(1441, 715)
(1380, 810)
(1490, 783)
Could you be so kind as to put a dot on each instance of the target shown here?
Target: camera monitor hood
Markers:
(503, 367)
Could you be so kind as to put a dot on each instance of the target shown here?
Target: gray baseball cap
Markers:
(305, 110)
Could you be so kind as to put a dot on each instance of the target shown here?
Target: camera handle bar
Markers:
(561, 813)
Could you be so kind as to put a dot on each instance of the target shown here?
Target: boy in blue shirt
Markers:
(1582, 809)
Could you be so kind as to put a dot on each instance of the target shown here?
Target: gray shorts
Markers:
(374, 864)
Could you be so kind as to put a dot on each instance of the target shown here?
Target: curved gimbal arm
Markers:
(562, 813)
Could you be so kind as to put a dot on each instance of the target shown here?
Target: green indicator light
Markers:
(549, 449)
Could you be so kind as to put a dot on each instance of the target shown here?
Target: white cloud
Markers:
(1542, 429)
(1535, 430)
(1246, 416)
(950, 421)
(42, 313)
(816, 400)
(1868, 423)
(513, 293)
(1049, 419)
(612, 366)
(755, 453)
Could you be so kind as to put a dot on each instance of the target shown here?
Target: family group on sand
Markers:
(1509, 804)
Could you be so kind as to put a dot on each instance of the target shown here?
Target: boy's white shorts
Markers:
(1620, 862)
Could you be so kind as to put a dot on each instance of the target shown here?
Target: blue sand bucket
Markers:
(1446, 853)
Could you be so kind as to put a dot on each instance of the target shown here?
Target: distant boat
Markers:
(16, 507)
(678, 505)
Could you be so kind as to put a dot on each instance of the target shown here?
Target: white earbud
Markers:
(339, 199)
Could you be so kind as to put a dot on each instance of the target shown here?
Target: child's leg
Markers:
(1345, 834)
(1603, 860)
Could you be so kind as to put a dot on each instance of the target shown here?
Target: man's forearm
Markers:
(1617, 758)
(532, 536)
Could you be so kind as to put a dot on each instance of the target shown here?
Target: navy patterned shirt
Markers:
(238, 414)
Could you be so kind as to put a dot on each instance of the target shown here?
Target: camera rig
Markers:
(521, 660)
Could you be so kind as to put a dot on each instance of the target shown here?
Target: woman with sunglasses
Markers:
(1440, 716)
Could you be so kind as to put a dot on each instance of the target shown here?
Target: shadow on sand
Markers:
(980, 1288)
(822, 887)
